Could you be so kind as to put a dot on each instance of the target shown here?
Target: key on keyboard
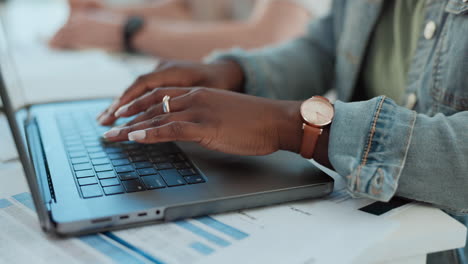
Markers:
(103, 168)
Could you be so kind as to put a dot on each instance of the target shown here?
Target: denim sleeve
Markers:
(383, 149)
(295, 70)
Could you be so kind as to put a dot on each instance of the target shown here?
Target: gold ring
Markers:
(165, 103)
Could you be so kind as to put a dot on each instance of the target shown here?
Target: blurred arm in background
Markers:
(170, 9)
(171, 32)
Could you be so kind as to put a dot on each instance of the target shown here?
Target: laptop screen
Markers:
(11, 98)
(9, 74)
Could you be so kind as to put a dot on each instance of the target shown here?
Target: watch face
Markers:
(317, 111)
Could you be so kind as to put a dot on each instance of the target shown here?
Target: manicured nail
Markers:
(113, 106)
(98, 117)
(137, 135)
(121, 110)
(103, 118)
(110, 109)
(112, 133)
(121, 126)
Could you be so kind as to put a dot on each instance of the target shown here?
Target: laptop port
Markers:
(124, 217)
(143, 214)
(158, 212)
(101, 220)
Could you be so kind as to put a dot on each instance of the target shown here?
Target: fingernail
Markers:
(121, 126)
(100, 118)
(112, 133)
(103, 118)
(121, 110)
(103, 139)
(137, 135)
(110, 109)
(113, 106)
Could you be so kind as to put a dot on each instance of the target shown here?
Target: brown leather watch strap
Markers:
(309, 140)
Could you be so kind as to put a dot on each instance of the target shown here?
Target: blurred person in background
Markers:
(186, 29)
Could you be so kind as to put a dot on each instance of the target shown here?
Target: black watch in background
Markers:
(132, 26)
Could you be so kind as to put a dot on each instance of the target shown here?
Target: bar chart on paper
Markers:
(185, 241)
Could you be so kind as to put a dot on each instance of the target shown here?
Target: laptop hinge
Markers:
(39, 161)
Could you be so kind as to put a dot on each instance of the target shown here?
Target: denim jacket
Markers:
(419, 150)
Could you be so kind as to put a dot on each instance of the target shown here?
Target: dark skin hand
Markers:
(224, 75)
(219, 119)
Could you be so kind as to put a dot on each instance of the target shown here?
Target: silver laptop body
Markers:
(211, 182)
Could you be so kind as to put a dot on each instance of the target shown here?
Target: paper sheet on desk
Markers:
(303, 230)
(323, 234)
(179, 242)
(22, 241)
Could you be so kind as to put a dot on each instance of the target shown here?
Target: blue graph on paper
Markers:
(103, 244)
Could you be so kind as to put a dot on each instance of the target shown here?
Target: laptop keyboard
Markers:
(102, 168)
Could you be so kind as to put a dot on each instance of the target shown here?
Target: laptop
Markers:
(81, 184)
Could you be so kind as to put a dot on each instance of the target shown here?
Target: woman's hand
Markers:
(225, 75)
(91, 29)
(219, 120)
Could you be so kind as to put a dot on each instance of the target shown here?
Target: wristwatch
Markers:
(131, 27)
(317, 113)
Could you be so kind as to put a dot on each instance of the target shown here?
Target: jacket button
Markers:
(411, 101)
(429, 29)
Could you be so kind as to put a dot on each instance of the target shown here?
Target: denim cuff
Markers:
(369, 142)
(254, 79)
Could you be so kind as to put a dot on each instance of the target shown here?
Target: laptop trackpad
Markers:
(282, 168)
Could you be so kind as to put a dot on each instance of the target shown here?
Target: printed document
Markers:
(302, 232)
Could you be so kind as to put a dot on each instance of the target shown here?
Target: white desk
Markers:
(422, 229)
